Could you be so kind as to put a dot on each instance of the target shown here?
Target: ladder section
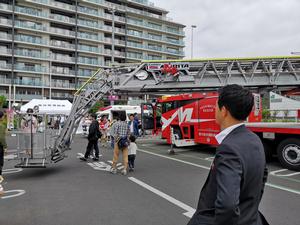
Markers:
(85, 98)
(195, 75)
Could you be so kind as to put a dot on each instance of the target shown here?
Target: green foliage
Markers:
(96, 107)
(3, 101)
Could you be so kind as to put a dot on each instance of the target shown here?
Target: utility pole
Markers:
(192, 40)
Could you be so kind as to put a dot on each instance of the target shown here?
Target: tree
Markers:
(96, 107)
(2, 101)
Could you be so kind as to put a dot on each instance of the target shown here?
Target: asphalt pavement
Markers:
(163, 189)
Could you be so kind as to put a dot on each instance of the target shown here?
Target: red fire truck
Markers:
(192, 119)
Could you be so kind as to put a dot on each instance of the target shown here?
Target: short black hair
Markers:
(123, 117)
(132, 138)
(131, 114)
(1, 114)
(237, 100)
(93, 115)
(29, 110)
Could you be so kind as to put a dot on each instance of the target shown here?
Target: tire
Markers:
(288, 152)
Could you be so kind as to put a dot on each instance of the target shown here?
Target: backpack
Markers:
(123, 142)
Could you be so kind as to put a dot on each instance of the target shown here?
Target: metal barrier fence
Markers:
(35, 137)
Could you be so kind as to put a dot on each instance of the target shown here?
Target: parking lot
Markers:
(163, 189)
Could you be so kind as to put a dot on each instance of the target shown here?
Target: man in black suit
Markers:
(235, 184)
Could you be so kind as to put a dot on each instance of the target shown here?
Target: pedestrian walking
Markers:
(3, 147)
(93, 137)
(236, 181)
(29, 125)
(133, 125)
(104, 124)
(120, 133)
(131, 152)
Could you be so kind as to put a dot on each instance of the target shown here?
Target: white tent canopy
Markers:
(49, 106)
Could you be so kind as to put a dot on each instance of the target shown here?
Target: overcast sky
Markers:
(238, 28)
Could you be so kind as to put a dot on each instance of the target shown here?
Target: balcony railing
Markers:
(62, 70)
(5, 81)
(62, 44)
(27, 97)
(38, 83)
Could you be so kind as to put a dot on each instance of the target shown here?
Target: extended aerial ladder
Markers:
(176, 76)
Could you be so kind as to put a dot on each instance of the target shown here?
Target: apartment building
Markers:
(48, 48)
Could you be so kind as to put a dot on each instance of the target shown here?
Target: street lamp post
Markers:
(192, 40)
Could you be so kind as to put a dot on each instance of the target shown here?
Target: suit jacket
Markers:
(235, 184)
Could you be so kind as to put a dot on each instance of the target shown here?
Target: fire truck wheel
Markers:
(288, 152)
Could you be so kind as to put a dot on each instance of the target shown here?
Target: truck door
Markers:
(207, 127)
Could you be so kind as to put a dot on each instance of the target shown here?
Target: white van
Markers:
(113, 110)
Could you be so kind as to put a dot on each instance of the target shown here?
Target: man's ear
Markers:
(224, 111)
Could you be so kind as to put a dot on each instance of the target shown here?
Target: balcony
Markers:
(88, 36)
(5, 7)
(63, 32)
(30, 11)
(5, 21)
(62, 84)
(90, 61)
(34, 83)
(62, 95)
(5, 36)
(62, 44)
(88, 23)
(116, 18)
(95, 1)
(62, 58)
(87, 48)
(134, 55)
(135, 45)
(89, 11)
(116, 53)
(85, 72)
(36, 68)
(39, 1)
(31, 53)
(62, 5)
(27, 97)
(62, 71)
(30, 25)
(5, 51)
(5, 80)
(30, 39)
(62, 18)
(117, 41)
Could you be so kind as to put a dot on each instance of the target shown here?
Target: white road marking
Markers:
(189, 210)
(277, 173)
(174, 159)
(14, 170)
(210, 159)
(207, 168)
(19, 192)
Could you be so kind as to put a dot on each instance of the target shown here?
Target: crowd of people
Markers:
(121, 135)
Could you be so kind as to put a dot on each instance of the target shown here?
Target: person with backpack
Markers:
(93, 136)
(121, 142)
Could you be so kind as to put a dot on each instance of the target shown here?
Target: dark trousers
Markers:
(1, 158)
(131, 159)
(93, 144)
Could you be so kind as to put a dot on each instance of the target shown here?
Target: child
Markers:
(131, 152)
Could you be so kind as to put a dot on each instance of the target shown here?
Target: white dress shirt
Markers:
(223, 134)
